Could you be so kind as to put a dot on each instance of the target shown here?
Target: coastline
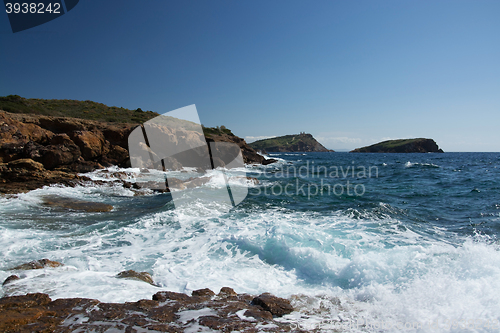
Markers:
(38, 150)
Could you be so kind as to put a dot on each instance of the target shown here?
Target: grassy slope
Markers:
(76, 109)
(87, 110)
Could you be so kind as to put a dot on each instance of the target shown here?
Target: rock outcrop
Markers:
(38, 150)
(302, 142)
(141, 276)
(166, 312)
(38, 264)
(419, 145)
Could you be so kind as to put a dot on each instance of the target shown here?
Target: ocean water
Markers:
(358, 242)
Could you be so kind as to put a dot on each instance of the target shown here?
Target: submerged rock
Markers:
(38, 264)
(74, 204)
(131, 274)
(10, 279)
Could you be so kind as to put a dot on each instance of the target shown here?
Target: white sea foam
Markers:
(415, 164)
(346, 267)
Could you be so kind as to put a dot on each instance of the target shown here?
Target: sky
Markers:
(352, 73)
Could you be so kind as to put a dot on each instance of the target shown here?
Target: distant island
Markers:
(302, 142)
(419, 145)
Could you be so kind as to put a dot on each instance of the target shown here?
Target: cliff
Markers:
(37, 150)
(419, 145)
(290, 143)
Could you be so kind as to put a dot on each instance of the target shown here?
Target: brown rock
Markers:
(37, 313)
(164, 314)
(10, 279)
(28, 301)
(53, 156)
(131, 274)
(258, 314)
(19, 311)
(90, 143)
(276, 305)
(116, 156)
(163, 296)
(203, 293)
(226, 291)
(60, 139)
(38, 264)
(27, 164)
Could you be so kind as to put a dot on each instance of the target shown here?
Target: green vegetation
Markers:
(281, 141)
(295, 142)
(393, 144)
(95, 111)
(72, 108)
(418, 145)
(218, 130)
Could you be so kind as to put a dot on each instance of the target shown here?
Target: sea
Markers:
(358, 242)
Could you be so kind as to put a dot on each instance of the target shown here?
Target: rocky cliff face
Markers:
(290, 143)
(419, 145)
(37, 150)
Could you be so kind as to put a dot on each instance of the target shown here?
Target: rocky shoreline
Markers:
(37, 150)
(166, 311)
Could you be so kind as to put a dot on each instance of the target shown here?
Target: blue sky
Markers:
(352, 73)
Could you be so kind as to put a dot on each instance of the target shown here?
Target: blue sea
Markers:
(358, 242)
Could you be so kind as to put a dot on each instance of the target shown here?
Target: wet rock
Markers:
(78, 205)
(226, 292)
(258, 314)
(269, 161)
(38, 264)
(131, 274)
(37, 313)
(10, 279)
(163, 296)
(165, 313)
(276, 305)
(203, 293)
